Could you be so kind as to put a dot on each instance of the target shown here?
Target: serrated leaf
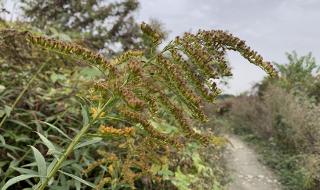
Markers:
(79, 179)
(17, 179)
(41, 163)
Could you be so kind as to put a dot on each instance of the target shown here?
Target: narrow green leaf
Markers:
(41, 163)
(17, 179)
(86, 143)
(57, 129)
(2, 88)
(2, 140)
(49, 144)
(29, 165)
(78, 185)
(51, 165)
(20, 123)
(2, 113)
(3, 163)
(12, 148)
(8, 110)
(84, 115)
(79, 179)
(24, 171)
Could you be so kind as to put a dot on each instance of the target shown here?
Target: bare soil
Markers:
(247, 172)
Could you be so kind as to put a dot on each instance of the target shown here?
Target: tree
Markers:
(299, 75)
(298, 72)
(101, 25)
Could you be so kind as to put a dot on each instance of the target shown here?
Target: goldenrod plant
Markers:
(145, 106)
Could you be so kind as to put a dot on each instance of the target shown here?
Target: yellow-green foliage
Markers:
(146, 107)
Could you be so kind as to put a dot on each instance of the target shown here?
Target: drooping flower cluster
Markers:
(175, 79)
(71, 49)
(168, 88)
(109, 130)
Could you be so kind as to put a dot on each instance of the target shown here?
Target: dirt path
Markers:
(247, 172)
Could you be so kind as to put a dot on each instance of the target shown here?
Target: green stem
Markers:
(22, 93)
(64, 156)
(71, 146)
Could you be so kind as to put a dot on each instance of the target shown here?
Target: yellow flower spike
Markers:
(102, 182)
(126, 56)
(93, 165)
(149, 31)
(70, 49)
(126, 131)
(110, 169)
(96, 113)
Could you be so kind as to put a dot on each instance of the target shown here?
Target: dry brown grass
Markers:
(291, 121)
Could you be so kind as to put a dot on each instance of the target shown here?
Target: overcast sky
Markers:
(272, 27)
